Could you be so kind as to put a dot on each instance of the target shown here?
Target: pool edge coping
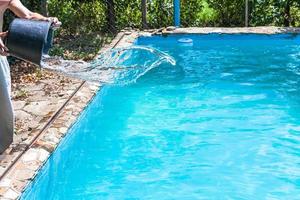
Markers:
(225, 30)
(25, 169)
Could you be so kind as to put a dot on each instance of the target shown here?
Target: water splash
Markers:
(119, 66)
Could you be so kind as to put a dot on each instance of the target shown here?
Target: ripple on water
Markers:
(197, 130)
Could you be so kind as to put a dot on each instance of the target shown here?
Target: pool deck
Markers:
(43, 122)
(254, 30)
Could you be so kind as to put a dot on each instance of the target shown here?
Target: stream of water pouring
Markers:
(116, 66)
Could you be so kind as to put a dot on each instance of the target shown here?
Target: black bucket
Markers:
(29, 39)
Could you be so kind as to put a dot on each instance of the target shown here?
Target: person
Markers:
(6, 108)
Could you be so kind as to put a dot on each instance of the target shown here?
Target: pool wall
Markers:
(24, 170)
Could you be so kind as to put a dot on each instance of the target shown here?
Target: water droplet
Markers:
(116, 66)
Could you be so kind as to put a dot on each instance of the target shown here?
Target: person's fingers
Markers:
(3, 52)
(58, 23)
(2, 46)
(51, 19)
(54, 21)
(3, 49)
(6, 49)
(3, 34)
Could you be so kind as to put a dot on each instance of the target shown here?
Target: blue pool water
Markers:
(224, 123)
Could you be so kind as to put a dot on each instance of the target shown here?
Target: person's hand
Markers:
(54, 20)
(3, 48)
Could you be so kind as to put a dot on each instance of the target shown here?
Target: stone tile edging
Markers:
(223, 30)
(26, 168)
(33, 112)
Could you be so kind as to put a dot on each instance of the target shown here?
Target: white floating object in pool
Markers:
(185, 40)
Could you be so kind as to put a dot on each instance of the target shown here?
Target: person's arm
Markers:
(21, 11)
(3, 48)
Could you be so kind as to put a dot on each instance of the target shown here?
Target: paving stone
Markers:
(63, 130)
(35, 87)
(30, 155)
(52, 136)
(41, 108)
(171, 28)
(11, 194)
(43, 155)
(18, 105)
(2, 192)
(33, 166)
(52, 131)
(2, 169)
(5, 183)
(45, 145)
(19, 185)
(24, 174)
(22, 115)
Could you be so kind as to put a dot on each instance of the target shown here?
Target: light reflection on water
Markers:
(224, 123)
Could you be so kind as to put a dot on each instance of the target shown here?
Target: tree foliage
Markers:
(188, 7)
(276, 12)
(92, 15)
(229, 12)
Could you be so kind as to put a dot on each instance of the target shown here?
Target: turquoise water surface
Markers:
(224, 123)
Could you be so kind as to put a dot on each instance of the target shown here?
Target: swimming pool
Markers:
(224, 123)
